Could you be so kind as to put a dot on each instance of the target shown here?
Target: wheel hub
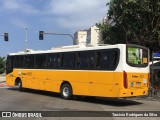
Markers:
(66, 91)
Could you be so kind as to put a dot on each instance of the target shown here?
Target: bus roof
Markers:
(81, 47)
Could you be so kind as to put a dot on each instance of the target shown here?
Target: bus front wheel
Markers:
(66, 91)
(20, 88)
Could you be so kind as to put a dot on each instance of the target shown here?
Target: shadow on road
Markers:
(96, 100)
(110, 101)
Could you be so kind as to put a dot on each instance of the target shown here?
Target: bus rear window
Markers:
(137, 57)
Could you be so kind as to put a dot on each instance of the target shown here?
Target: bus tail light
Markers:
(125, 81)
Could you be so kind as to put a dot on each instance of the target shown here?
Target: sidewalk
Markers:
(151, 99)
(155, 98)
(2, 78)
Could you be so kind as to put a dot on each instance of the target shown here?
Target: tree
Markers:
(2, 65)
(110, 34)
(134, 21)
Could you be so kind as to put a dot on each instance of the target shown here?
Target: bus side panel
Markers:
(39, 79)
(89, 83)
(100, 83)
(10, 79)
(50, 80)
(27, 78)
(78, 81)
(117, 84)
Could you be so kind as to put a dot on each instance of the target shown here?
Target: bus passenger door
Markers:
(27, 78)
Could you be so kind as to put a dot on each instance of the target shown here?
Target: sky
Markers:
(58, 16)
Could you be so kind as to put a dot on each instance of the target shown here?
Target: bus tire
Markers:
(66, 91)
(20, 88)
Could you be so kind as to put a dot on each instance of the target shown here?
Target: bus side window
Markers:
(40, 61)
(57, 61)
(9, 64)
(97, 63)
(68, 61)
(53, 61)
(50, 60)
(21, 61)
(77, 60)
(91, 60)
(82, 59)
(113, 59)
(29, 61)
(108, 59)
(104, 60)
(85, 60)
(16, 61)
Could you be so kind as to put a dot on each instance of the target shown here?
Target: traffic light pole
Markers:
(42, 33)
(26, 38)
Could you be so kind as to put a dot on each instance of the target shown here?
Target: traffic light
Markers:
(41, 35)
(5, 36)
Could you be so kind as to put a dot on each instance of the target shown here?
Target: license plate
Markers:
(138, 84)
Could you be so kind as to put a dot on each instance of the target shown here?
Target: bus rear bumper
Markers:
(133, 92)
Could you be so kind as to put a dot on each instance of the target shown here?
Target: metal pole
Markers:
(38, 46)
(152, 67)
(60, 34)
(26, 38)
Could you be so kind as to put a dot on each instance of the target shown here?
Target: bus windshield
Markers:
(137, 56)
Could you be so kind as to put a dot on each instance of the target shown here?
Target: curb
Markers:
(150, 99)
(2, 81)
(2, 85)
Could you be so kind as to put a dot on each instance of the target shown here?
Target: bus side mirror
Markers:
(41, 35)
(5, 36)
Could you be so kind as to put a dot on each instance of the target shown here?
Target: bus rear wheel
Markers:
(66, 91)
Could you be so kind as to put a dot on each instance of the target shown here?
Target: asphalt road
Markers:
(30, 100)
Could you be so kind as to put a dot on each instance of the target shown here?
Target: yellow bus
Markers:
(115, 71)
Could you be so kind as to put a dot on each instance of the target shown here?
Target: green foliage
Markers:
(133, 21)
(2, 65)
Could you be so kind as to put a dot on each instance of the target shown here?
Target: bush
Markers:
(2, 70)
(2, 65)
